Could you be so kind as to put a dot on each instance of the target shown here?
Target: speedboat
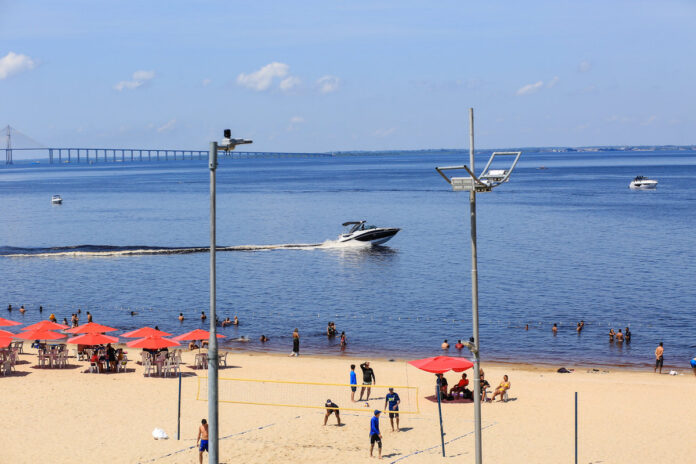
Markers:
(643, 183)
(359, 232)
(56, 200)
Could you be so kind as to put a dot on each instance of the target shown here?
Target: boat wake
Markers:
(105, 251)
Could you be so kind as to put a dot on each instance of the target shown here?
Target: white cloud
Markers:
(263, 78)
(530, 88)
(14, 63)
(169, 125)
(139, 78)
(289, 83)
(552, 83)
(384, 132)
(328, 84)
(206, 81)
(584, 66)
(296, 120)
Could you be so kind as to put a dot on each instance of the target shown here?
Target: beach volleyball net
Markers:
(285, 393)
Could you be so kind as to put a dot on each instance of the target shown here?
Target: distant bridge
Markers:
(122, 155)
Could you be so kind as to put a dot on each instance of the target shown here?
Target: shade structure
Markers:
(5, 341)
(91, 328)
(198, 334)
(47, 325)
(145, 332)
(152, 343)
(442, 364)
(92, 339)
(6, 333)
(8, 323)
(40, 334)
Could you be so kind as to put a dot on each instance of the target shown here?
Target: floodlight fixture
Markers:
(489, 178)
(228, 143)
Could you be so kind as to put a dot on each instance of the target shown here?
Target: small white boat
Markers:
(359, 232)
(56, 200)
(642, 183)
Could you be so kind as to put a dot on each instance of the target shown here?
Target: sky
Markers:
(317, 76)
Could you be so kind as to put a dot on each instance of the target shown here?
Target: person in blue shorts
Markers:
(375, 436)
(693, 364)
(391, 403)
(203, 438)
(353, 382)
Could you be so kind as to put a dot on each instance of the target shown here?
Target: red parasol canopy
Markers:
(40, 334)
(6, 333)
(5, 342)
(92, 339)
(145, 332)
(7, 323)
(442, 364)
(152, 343)
(91, 328)
(198, 334)
(47, 325)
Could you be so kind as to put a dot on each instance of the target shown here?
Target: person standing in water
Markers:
(295, 342)
(659, 357)
(554, 329)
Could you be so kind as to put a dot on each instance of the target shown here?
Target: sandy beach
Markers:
(70, 416)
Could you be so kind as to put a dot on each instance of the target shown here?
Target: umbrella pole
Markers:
(439, 410)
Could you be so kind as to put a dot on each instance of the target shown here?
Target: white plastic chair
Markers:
(222, 359)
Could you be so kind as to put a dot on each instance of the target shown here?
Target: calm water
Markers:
(558, 245)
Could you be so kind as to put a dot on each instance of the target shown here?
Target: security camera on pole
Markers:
(227, 144)
(487, 181)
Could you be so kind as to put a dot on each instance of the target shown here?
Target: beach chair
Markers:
(6, 367)
(222, 359)
(171, 366)
(121, 366)
(93, 367)
(63, 359)
(19, 345)
(147, 365)
(43, 358)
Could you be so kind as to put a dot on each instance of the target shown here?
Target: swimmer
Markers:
(627, 335)
(611, 335)
(89, 316)
(9, 308)
(236, 321)
(133, 313)
(554, 329)
(203, 317)
(445, 345)
(181, 317)
(40, 309)
(22, 310)
(263, 339)
(459, 345)
(619, 337)
(526, 327)
(579, 328)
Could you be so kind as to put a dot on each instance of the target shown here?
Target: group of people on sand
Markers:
(461, 390)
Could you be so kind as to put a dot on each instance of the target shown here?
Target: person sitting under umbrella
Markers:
(502, 388)
(461, 388)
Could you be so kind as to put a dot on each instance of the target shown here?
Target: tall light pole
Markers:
(489, 179)
(213, 429)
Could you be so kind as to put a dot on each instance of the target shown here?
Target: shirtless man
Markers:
(619, 336)
(203, 438)
(659, 357)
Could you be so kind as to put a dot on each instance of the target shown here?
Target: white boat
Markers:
(643, 183)
(56, 200)
(359, 232)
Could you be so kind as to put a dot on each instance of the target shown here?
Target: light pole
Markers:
(227, 144)
(489, 179)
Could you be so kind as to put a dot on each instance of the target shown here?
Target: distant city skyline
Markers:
(314, 76)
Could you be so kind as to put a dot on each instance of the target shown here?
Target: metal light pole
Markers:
(489, 179)
(212, 342)
(228, 143)
(474, 299)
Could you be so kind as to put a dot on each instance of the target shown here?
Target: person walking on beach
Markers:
(203, 438)
(368, 379)
(375, 435)
(295, 343)
(353, 382)
(391, 404)
(659, 357)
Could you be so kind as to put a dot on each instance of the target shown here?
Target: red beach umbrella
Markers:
(198, 334)
(40, 334)
(442, 364)
(92, 339)
(145, 332)
(46, 325)
(5, 342)
(6, 333)
(90, 328)
(152, 343)
(8, 323)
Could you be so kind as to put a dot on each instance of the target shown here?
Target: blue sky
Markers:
(341, 75)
